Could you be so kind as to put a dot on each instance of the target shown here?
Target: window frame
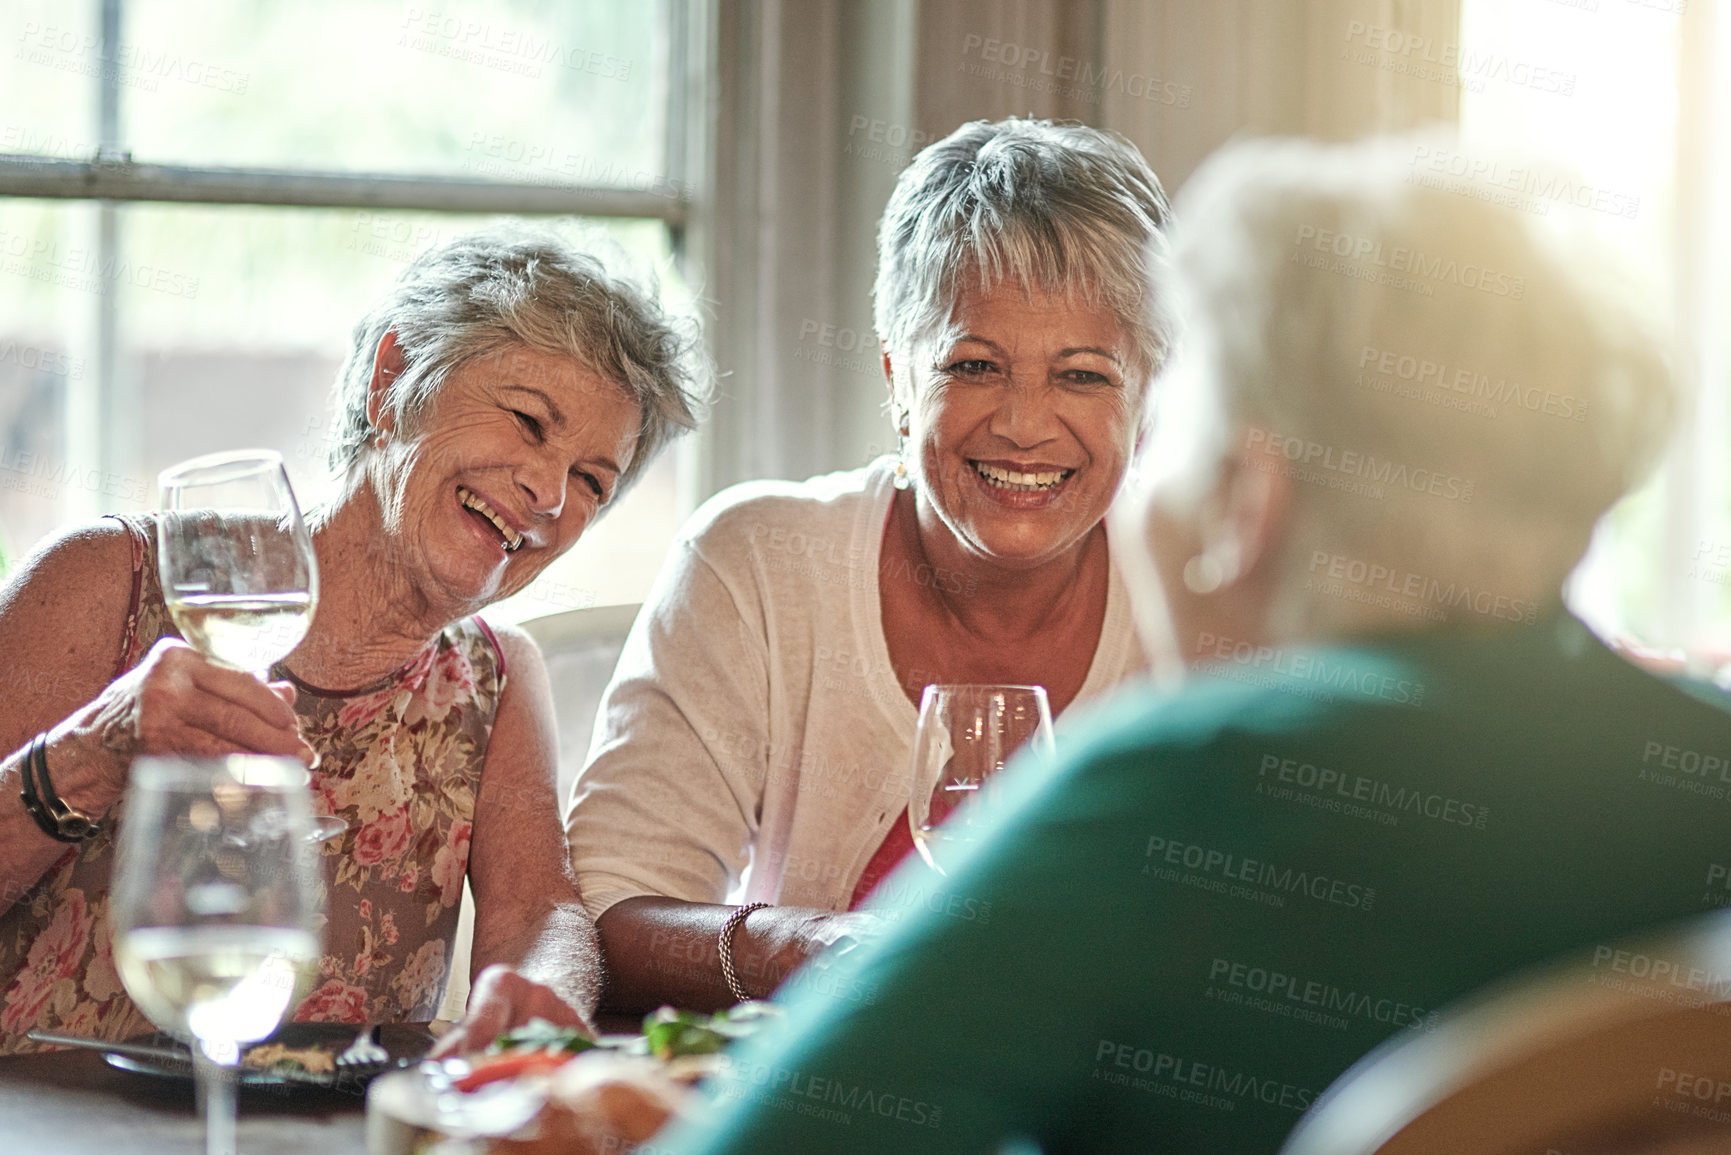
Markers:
(112, 176)
(112, 180)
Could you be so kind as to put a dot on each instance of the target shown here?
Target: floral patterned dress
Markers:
(400, 759)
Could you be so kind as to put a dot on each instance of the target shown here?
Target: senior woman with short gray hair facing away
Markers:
(749, 778)
(506, 390)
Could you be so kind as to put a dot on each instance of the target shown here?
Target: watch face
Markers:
(76, 825)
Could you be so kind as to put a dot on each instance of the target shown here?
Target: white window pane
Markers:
(1593, 87)
(552, 91)
(46, 313)
(48, 78)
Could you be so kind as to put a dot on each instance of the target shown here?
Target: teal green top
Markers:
(1178, 932)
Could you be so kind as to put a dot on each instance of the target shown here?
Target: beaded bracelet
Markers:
(728, 974)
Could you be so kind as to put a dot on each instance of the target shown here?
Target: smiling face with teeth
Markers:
(500, 474)
(1020, 426)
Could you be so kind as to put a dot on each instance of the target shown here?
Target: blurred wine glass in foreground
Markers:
(965, 735)
(216, 909)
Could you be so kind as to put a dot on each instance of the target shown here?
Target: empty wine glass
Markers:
(238, 571)
(216, 909)
(965, 735)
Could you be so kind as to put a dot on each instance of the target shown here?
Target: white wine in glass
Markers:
(216, 909)
(965, 735)
(252, 632)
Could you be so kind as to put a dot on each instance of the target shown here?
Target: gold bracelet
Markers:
(728, 974)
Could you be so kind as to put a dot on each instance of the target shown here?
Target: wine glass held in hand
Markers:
(239, 576)
(216, 908)
(965, 735)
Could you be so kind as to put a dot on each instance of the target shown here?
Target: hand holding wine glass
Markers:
(239, 575)
(215, 909)
(965, 735)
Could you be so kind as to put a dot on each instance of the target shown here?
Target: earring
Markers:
(901, 479)
(1203, 575)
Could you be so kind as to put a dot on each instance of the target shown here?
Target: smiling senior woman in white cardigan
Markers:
(748, 781)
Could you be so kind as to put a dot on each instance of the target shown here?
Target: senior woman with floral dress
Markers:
(753, 747)
(506, 390)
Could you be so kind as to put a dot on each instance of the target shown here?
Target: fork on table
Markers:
(365, 1050)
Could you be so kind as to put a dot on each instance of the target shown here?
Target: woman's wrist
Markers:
(86, 775)
(730, 976)
(767, 947)
(770, 944)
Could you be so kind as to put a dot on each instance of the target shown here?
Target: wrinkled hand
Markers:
(177, 701)
(500, 1000)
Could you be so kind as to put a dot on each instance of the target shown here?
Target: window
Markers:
(137, 332)
(1630, 93)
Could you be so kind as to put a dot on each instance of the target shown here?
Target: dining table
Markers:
(73, 1103)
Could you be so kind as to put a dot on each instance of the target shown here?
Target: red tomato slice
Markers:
(510, 1065)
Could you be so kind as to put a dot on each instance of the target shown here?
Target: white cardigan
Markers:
(754, 743)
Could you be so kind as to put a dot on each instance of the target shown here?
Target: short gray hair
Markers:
(519, 286)
(1062, 208)
(1334, 301)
